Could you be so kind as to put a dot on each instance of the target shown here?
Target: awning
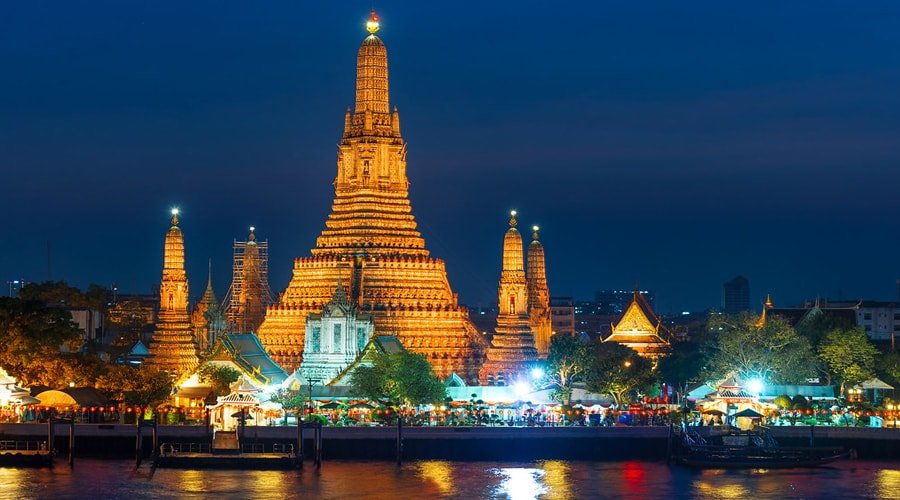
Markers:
(876, 384)
(748, 413)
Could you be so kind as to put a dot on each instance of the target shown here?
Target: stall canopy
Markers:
(81, 396)
(876, 384)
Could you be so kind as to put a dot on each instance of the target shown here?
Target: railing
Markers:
(169, 449)
(287, 449)
(23, 445)
(253, 448)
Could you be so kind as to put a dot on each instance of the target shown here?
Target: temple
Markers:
(641, 329)
(335, 338)
(512, 346)
(371, 243)
(172, 347)
(207, 318)
(538, 295)
(249, 294)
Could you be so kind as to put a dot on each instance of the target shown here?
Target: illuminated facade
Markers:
(512, 346)
(538, 296)
(641, 329)
(334, 338)
(172, 347)
(371, 243)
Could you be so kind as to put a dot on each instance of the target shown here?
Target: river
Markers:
(550, 479)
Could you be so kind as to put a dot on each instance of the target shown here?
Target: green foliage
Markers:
(619, 372)
(774, 353)
(401, 377)
(888, 367)
(783, 401)
(848, 356)
(143, 386)
(799, 402)
(682, 366)
(567, 360)
(815, 327)
(219, 377)
(31, 334)
(288, 399)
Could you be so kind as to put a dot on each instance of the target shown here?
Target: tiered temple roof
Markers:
(172, 347)
(512, 346)
(640, 329)
(371, 242)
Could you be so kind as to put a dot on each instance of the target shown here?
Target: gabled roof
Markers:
(378, 345)
(247, 352)
(638, 324)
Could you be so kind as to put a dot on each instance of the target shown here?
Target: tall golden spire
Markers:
(372, 243)
(512, 249)
(372, 73)
(173, 347)
(512, 346)
(538, 295)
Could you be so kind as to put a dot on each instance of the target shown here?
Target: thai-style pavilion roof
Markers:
(640, 328)
(246, 351)
(377, 345)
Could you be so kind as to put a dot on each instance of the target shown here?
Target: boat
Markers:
(747, 449)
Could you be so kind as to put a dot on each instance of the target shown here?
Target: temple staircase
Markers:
(225, 443)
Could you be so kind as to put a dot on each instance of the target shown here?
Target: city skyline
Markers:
(654, 200)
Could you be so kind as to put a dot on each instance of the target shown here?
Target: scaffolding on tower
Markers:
(249, 294)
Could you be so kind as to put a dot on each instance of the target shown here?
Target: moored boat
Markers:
(753, 449)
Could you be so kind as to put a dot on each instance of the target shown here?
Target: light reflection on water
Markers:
(551, 479)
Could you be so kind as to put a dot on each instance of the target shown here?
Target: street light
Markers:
(627, 363)
(537, 373)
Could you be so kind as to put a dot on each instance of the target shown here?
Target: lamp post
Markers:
(310, 381)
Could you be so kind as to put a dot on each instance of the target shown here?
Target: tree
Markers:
(816, 326)
(682, 366)
(566, 361)
(848, 356)
(288, 399)
(219, 377)
(783, 401)
(31, 334)
(774, 352)
(401, 377)
(142, 386)
(888, 366)
(619, 372)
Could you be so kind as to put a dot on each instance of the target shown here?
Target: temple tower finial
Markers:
(372, 72)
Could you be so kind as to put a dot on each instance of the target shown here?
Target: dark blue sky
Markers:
(674, 144)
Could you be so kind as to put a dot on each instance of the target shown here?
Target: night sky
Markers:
(677, 145)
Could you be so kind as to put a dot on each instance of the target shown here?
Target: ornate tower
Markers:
(371, 243)
(172, 346)
(538, 295)
(249, 294)
(512, 346)
(207, 318)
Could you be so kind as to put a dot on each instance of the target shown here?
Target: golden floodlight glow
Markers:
(372, 25)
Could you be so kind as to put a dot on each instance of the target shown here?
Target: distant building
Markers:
(880, 320)
(14, 286)
(736, 295)
(562, 315)
(614, 302)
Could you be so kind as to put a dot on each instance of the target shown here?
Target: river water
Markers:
(550, 479)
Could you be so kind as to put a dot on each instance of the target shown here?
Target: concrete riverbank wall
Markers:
(457, 443)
